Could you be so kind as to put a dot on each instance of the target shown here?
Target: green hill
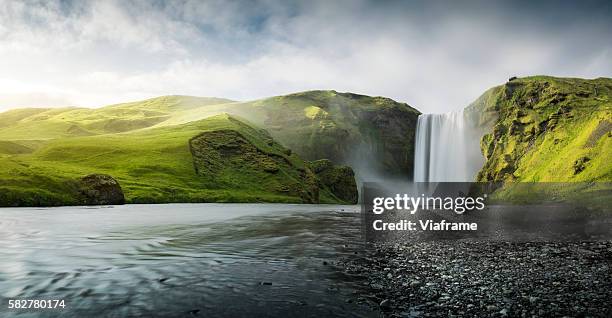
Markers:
(374, 135)
(145, 146)
(167, 164)
(548, 129)
(192, 149)
(371, 134)
(51, 123)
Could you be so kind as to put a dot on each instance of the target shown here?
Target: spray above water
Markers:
(447, 149)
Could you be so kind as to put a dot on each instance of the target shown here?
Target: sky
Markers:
(437, 56)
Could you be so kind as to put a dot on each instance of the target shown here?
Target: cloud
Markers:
(435, 56)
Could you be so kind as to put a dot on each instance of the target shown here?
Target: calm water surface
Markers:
(192, 260)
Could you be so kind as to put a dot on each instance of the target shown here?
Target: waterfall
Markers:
(447, 149)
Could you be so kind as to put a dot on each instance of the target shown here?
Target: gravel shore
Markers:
(485, 279)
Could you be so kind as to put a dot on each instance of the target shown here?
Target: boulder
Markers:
(100, 189)
(580, 164)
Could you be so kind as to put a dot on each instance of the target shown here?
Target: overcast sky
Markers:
(434, 55)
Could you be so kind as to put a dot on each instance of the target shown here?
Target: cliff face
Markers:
(248, 159)
(231, 160)
(339, 181)
(367, 133)
(546, 129)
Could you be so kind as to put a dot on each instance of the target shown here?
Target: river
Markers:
(191, 260)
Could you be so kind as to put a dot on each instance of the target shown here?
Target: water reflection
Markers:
(180, 259)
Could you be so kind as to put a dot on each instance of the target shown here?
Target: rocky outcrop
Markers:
(339, 180)
(580, 164)
(100, 189)
(547, 129)
(391, 141)
(244, 159)
(249, 160)
(370, 134)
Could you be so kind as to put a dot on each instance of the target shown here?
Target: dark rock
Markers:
(339, 180)
(512, 78)
(100, 189)
(580, 164)
(385, 304)
(193, 312)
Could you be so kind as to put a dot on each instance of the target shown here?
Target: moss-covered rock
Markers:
(548, 138)
(580, 164)
(100, 189)
(230, 160)
(338, 180)
(247, 159)
(544, 129)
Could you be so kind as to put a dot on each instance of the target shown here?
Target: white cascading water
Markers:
(447, 149)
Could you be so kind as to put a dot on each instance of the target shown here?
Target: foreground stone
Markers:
(100, 189)
(486, 279)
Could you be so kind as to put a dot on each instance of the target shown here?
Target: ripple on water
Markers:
(255, 264)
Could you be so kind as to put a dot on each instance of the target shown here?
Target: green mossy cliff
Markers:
(339, 180)
(250, 160)
(547, 129)
(374, 134)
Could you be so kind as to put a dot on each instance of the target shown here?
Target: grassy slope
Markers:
(346, 128)
(543, 127)
(152, 165)
(143, 143)
(51, 123)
